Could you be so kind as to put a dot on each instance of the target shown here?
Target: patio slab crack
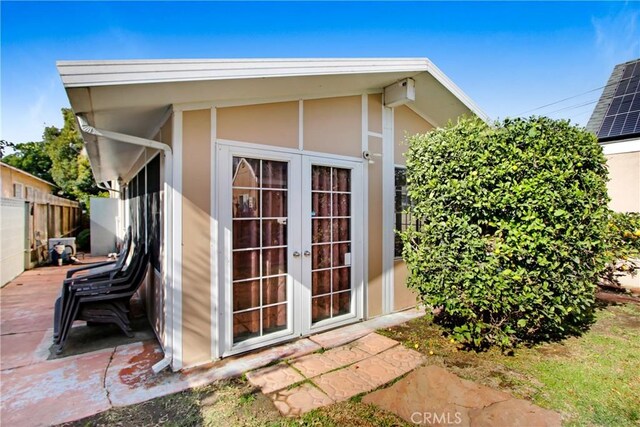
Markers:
(104, 377)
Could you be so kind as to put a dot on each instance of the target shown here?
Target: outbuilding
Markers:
(268, 190)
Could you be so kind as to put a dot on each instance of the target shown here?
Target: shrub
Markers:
(83, 240)
(623, 247)
(512, 219)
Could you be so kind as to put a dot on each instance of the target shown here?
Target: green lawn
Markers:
(591, 380)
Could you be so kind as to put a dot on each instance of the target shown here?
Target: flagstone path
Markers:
(301, 384)
(430, 395)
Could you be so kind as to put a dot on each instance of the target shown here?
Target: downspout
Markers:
(167, 229)
(104, 187)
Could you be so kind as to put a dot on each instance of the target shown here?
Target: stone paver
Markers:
(273, 378)
(313, 365)
(402, 359)
(358, 367)
(343, 384)
(301, 399)
(319, 363)
(374, 343)
(376, 371)
(432, 395)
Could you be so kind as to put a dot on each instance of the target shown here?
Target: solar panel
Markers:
(623, 115)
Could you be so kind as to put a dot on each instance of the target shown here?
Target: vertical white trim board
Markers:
(388, 190)
(300, 125)
(176, 289)
(213, 232)
(365, 212)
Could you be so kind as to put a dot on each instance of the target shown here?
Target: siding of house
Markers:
(330, 125)
(624, 181)
(334, 125)
(196, 237)
(11, 176)
(270, 124)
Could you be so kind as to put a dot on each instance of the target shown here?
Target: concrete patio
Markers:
(37, 387)
(33, 383)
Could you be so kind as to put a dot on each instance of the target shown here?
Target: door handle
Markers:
(307, 253)
(296, 254)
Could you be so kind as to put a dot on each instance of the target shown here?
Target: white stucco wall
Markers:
(12, 238)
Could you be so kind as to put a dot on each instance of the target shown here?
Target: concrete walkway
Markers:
(37, 390)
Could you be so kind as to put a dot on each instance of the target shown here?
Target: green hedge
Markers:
(512, 219)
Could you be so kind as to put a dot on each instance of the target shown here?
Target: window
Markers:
(402, 217)
(17, 191)
(29, 193)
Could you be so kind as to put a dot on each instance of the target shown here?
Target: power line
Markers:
(562, 100)
(571, 107)
(614, 83)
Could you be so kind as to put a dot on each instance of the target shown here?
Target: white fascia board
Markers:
(619, 147)
(105, 73)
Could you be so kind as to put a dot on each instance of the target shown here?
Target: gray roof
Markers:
(611, 91)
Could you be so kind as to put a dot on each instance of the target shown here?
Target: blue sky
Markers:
(509, 57)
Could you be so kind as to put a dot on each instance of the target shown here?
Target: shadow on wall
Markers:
(196, 284)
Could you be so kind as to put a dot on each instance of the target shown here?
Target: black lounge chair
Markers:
(99, 271)
(103, 268)
(101, 301)
(115, 277)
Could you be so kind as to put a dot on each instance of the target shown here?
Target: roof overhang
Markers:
(133, 97)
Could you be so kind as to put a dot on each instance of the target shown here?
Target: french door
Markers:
(291, 260)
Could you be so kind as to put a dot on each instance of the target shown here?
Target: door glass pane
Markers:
(274, 290)
(246, 295)
(246, 202)
(320, 230)
(331, 242)
(246, 325)
(274, 204)
(274, 232)
(274, 174)
(274, 318)
(260, 247)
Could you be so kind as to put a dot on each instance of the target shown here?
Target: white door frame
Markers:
(298, 240)
(226, 154)
(357, 246)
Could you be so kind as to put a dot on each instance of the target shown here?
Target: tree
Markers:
(4, 145)
(70, 168)
(512, 219)
(31, 157)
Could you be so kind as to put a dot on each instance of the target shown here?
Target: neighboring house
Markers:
(31, 214)
(268, 190)
(20, 184)
(616, 122)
